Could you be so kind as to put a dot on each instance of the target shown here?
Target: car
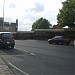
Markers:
(7, 39)
(63, 40)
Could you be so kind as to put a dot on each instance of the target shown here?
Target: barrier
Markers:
(43, 34)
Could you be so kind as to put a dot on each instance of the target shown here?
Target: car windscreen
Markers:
(7, 36)
(58, 37)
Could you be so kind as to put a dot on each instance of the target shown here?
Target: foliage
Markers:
(41, 23)
(66, 15)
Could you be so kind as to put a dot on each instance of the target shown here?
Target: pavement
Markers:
(4, 69)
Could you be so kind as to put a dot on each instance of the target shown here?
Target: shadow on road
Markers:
(9, 51)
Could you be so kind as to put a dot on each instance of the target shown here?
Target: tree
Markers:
(41, 23)
(66, 15)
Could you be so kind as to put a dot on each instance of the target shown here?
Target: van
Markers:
(7, 39)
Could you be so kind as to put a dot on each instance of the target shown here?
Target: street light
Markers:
(3, 13)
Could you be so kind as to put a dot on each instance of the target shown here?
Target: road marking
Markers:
(18, 69)
(32, 53)
(21, 50)
(26, 51)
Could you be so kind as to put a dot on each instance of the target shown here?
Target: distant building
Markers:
(56, 27)
(8, 27)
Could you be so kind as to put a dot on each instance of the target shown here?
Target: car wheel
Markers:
(12, 47)
(60, 43)
(63, 43)
(50, 42)
(67, 43)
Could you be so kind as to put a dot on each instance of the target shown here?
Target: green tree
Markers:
(41, 23)
(66, 15)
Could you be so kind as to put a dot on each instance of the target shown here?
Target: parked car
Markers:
(6, 39)
(60, 40)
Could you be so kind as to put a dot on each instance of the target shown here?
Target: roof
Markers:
(4, 32)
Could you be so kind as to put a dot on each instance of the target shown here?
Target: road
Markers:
(35, 57)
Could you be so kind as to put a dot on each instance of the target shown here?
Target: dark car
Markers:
(6, 39)
(60, 40)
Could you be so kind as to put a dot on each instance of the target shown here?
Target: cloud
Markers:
(38, 7)
(24, 28)
(12, 5)
(27, 12)
(29, 17)
(8, 19)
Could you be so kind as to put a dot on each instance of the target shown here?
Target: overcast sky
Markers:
(28, 11)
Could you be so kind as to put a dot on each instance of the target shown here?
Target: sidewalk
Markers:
(4, 69)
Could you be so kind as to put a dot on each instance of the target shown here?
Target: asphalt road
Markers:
(35, 57)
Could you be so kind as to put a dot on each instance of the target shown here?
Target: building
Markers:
(56, 27)
(8, 27)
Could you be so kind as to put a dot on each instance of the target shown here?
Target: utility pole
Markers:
(3, 14)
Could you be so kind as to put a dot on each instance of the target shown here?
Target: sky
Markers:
(28, 11)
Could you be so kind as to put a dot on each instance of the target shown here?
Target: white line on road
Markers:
(17, 68)
(26, 51)
(21, 49)
(32, 53)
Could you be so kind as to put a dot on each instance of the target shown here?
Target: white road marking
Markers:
(21, 50)
(18, 69)
(32, 53)
(26, 51)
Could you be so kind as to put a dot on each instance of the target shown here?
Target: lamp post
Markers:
(3, 13)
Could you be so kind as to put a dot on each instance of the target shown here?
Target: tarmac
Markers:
(4, 69)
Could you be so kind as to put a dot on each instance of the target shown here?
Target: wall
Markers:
(44, 34)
